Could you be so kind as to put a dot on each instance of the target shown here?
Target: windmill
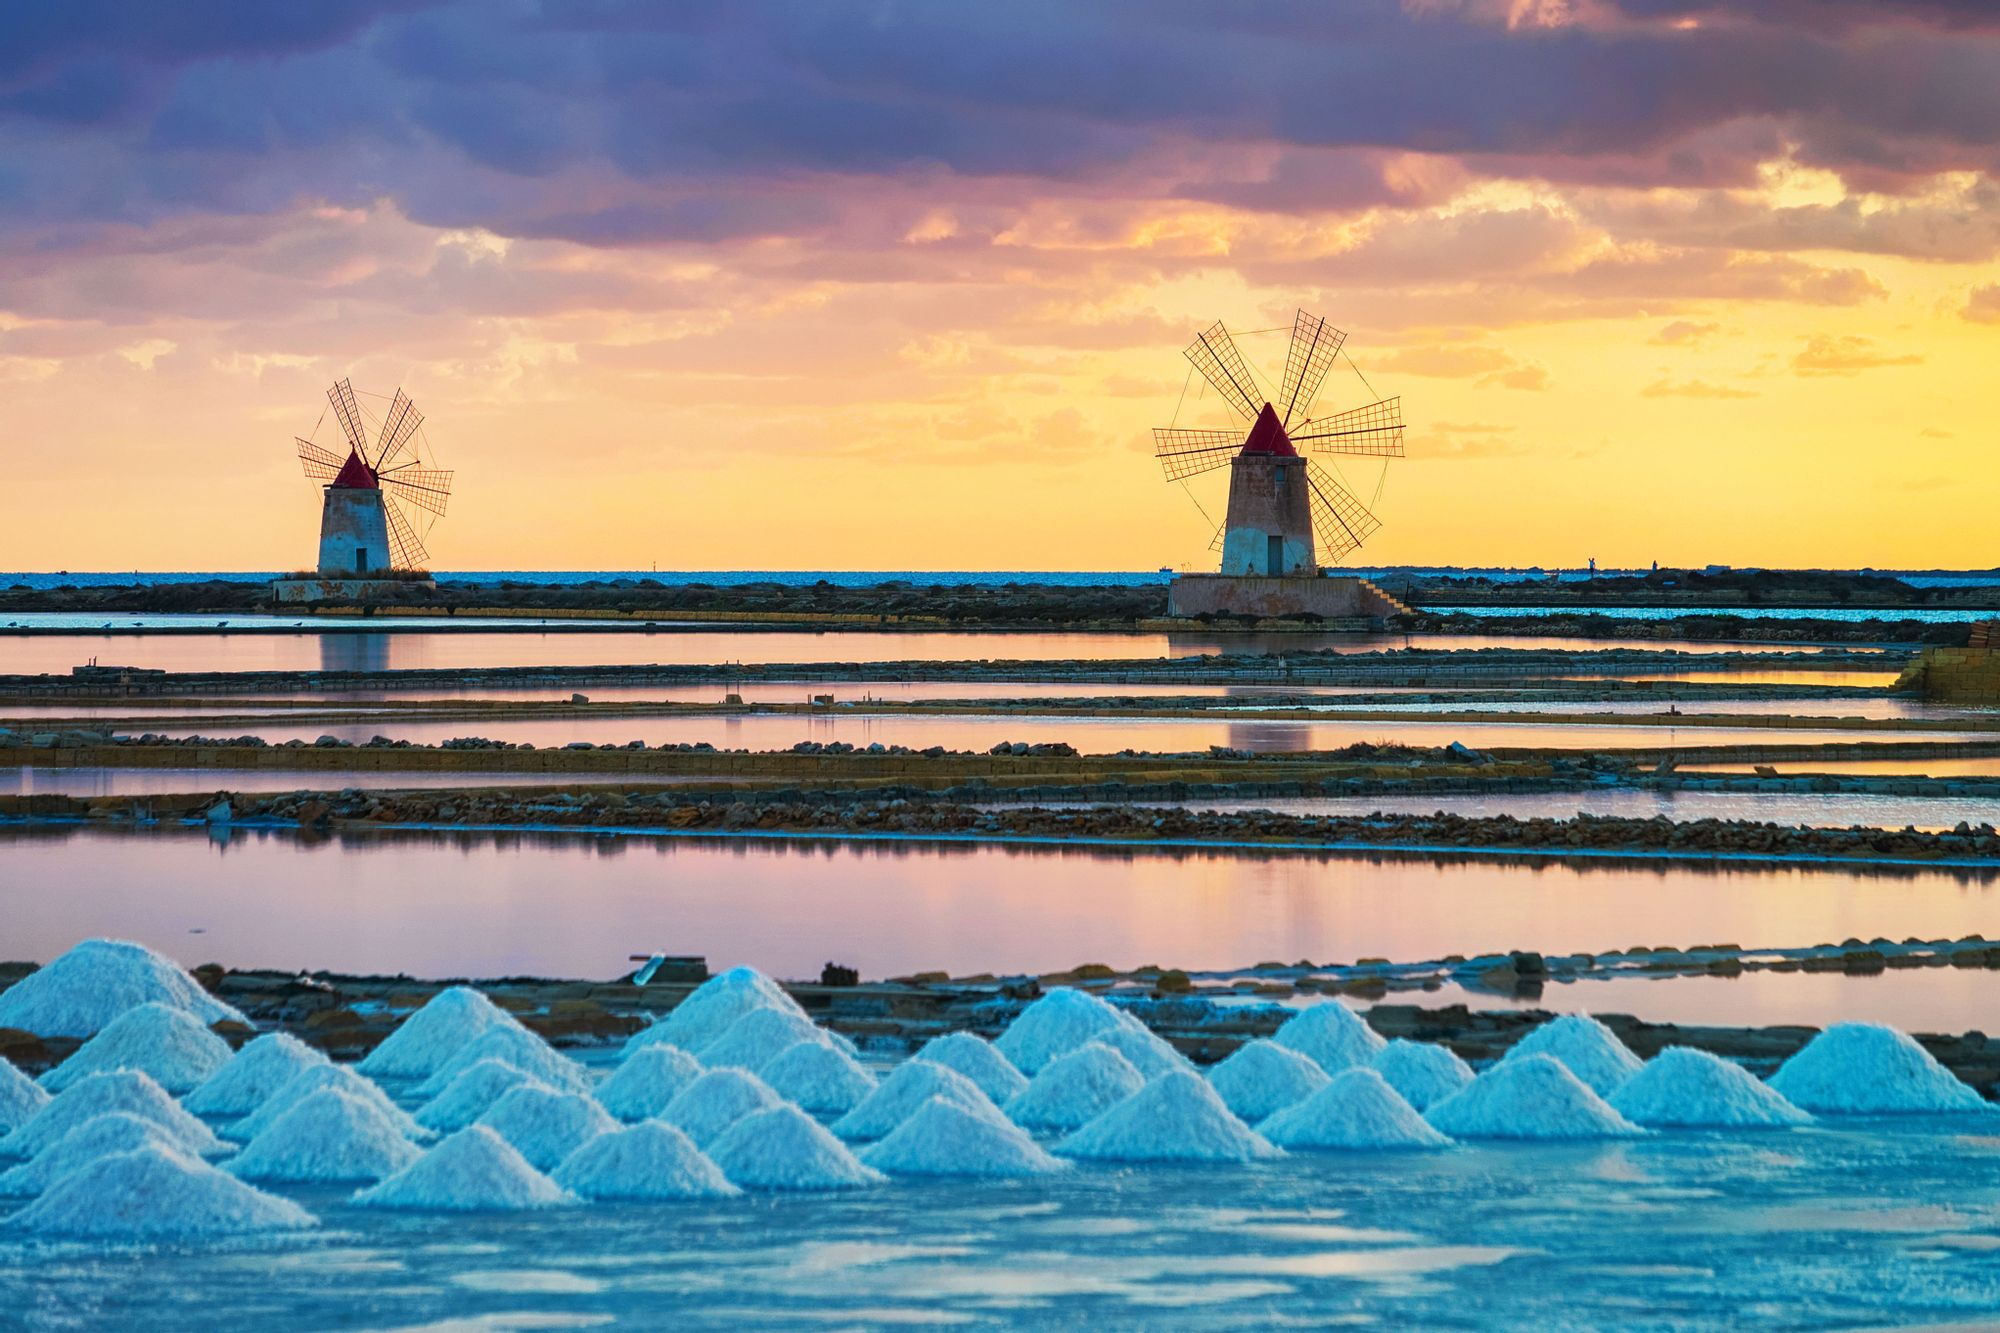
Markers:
(364, 527)
(1287, 515)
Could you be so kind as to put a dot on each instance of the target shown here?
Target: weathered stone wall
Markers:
(343, 590)
(353, 532)
(1964, 674)
(1328, 598)
(1267, 499)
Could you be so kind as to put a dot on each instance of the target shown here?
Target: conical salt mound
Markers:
(975, 1057)
(945, 1139)
(516, 1046)
(264, 1065)
(310, 1080)
(907, 1088)
(647, 1082)
(1148, 1052)
(1073, 1090)
(473, 1171)
(1866, 1069)
(329, 1135)
(712, 1007)
(155, 1193)
(20, 1098)
(1176, 1118)
(1682, 1088)
(157, 1039)
(1261, 1078)
(1356, 1109)
(470, 1094)
(1422, 1072)
(1590, 1049)
(821, 1078)
(99, 1136)
(1331, 1035)
(450, 1021)
(1530, 1097)
(717, 1100)
(545, 1125)
(757, 1038)
(1056, 1024)
(643, 1162)
(120, 1090)
(81, 992)
(783, 1148)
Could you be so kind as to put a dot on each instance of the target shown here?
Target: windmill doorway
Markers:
(1274, 555)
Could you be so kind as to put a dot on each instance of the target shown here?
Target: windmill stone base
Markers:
(1257, 597)
(295, 592)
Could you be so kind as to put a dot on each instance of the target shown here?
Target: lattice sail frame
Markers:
(394, 462)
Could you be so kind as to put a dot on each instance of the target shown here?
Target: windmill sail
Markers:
(397, 428)
(1189, 453)
(1214, 354)
(403, 541)
(1375, 431)
(1315, 344)
(426, 488)
(341, 395)
(1340, 521)
(320, 464)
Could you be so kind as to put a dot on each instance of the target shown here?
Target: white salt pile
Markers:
(783, 1148)
(1149, 1053)
(647, 1161)
(20, 1097)
(1590, 1049)
(757, 1038)
(907, 1088)
(448, 1022)
(81, 992)
(155, 1193)
(975, 1057)
(1331, 1035)
(649, 1079)
(475, 1170)
(1357, 1109)
(715, 1004)
(1530, 1097)
(1682, 1088)
(120, 1090)
(1054, 1025)
(516, 1046)
(945, 1139)
(1176, 1118)
(1073, 1090)
(1261, 1078)
(1422, 1072)
(1867, 1069)
(470, 1094)
(717, 1100)
(157, 1039)
(264, 1065)
(310, 1080)
(328, 1135)
(546, 1125)
(821, 1078)
(99, 1136)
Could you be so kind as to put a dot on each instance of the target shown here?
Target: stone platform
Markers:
(1258, 597)
(299, 591)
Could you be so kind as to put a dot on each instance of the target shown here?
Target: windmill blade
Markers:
(1315, 344)
(397, 428)
(1215, 356)
(1189, 453)
(426, 488)
(341, 395)
(403, 540)
(1375, 431)
(1215, 542)
(320, 464)
(1340, 522)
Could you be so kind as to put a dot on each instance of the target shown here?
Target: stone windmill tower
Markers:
(363, 528)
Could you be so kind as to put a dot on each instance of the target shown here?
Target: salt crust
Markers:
(1149, 1053)
(474, 1170)
(757, 1038)
(20, 1097)
(310, 1080)
(1261, 1078)
(470, 1094)
(81, 992)
(1330, 1035)
(820, 1078)
(642, 1087)
(647, 1161)
(546, 1125)
(715, 1004)
(447, 1023)
(1868, 1069)
(1074, 1089)
(783, 1148)
(1423, 1072)
(1058, 1023)
(976, 1058)
(944, 1139)
(155, 1193)
(519, 1048)
(717, 1100)
(1357, 1109)
(1682, 1088)
(908, 1086)
(260, 1068)
(120, 1090)
(330, 1135)
(99, 1136)
(1590, 1049)
(170, 1044)
(1529, 1097)
(1176, 1118)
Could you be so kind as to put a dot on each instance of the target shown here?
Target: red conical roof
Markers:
(356, 475)
(1267, 436)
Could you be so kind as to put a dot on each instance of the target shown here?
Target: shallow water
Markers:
(1984, 766)
(175, 781)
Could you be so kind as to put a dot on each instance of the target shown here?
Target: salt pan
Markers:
(649, 1079)
(83, 990)
(544, 1124)
(99, 1136)
(717, 1100)
(757, 1038)
(822, 1079)
(944, 1139)
(1331, 1035)
(264, 1065)
(155, 1193)
(1867, 1069)
(1682, 1088)
(907, 1088)
(1074, 1089)
(120, 1090)
(1590, 1049)
(715, 1004)
(516, 1046)
(20, 1097)
(1356, 1109)
(1056, 1024)
(975, 1057)
(1421, 1071)
(475, 1170)
(1529, 1097)
(326, 1136)
(1176, 1118)
(783, 1148)
(310, 1080)
(153, 1038)
(448, 1022)
(1261, 1078)
(647, 1161)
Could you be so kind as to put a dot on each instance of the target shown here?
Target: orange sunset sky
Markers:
(903, 286)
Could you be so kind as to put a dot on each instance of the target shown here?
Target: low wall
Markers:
(1256, 596)
(1970, 675)
(343, 590)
